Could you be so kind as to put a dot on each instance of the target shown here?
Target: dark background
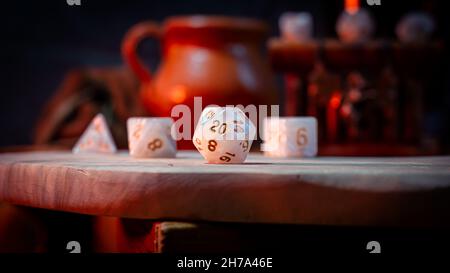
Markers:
(42, 40)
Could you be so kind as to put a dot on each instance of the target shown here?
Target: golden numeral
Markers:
(155, 144)
(237, 128)
(212, 144)
(215, 124)
(227, 158)
(222, 127)
(137, 131)
(302, 137)
(244, 145)
(210, 114)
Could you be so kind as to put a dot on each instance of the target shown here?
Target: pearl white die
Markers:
(224, 135)
(290, 137)
(96, 138)
(151, 137)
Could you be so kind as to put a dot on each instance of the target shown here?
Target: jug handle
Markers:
(130, 44)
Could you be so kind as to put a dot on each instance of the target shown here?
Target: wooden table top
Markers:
(409, 191)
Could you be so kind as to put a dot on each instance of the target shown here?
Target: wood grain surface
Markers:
(409, 191)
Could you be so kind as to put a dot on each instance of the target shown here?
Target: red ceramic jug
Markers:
(217, 58)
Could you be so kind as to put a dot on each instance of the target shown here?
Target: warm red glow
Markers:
(335, 101)
(351, 6)
(178, 93)
(332, 115)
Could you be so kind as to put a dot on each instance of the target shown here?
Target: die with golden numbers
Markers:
(290, 137)
(151, 137)
(96, 138)
(224, 135)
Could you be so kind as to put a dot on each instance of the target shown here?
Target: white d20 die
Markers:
(96, 138)
(224, 135)
(290, 137)
(151, 137)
